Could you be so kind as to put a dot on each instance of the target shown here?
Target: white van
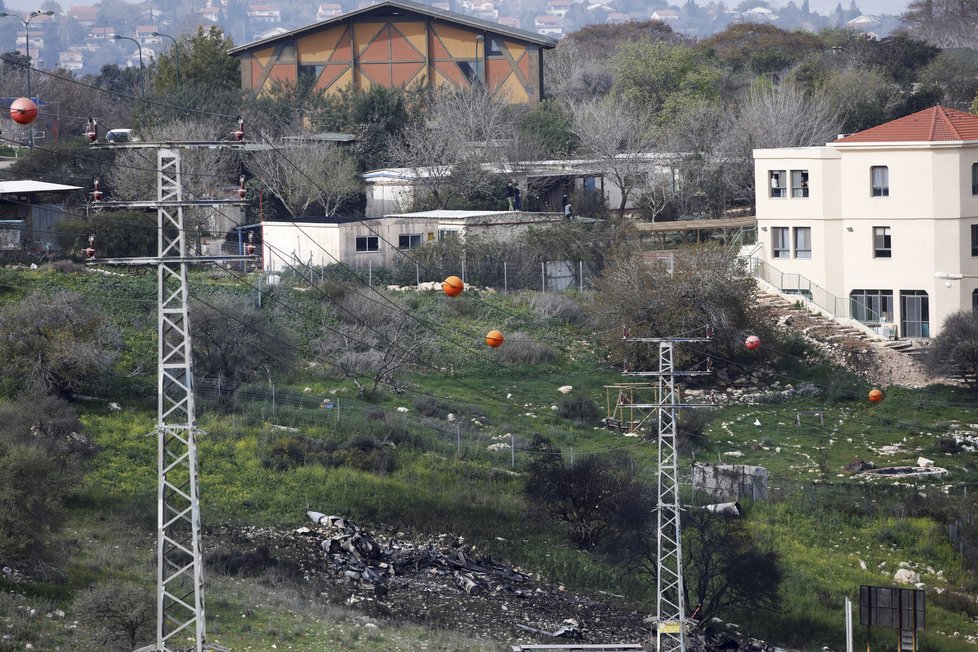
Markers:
(121, 136)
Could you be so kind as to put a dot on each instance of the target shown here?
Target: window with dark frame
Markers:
(880, 176)
(871, 306)
(799, 183)
(778, 181)
(803, 242)
(974, 301)
(974, 178)
(882, 245)
(780, 246)
(974, 239)
(494, 47)
(409, 241)
(367, 243)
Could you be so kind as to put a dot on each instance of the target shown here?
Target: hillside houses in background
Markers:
(80, 38)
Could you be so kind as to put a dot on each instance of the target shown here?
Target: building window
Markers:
(974, 178)
(881, 242)
(368, 243)
(974, 301)
(974, 239)
(799, 183)
(914, 313)
(780, 248)
(803, 242)
(880, 175)
(409, 241)
(444, 234)
(494, 47)
(777, 180)
(871, 306)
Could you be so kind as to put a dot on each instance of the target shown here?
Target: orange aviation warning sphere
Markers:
(23, 110)
(875, 396)
(753, 343)
(494, 338)
(453, 286)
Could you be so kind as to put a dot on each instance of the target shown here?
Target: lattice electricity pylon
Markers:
(180, 622)
(670, 616)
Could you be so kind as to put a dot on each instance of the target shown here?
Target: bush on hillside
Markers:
(556, 306)
(42, 456)
(117, 615)
(55, 345)
(578, 407)
(521, 348)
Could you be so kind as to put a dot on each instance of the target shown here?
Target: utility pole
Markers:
(180, 622)
(670, 616)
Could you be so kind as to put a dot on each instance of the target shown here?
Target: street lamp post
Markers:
(176, 53)
(479, 38)
(26, 22)
(142, 75)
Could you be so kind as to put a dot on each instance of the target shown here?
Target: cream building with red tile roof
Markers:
(879, 226)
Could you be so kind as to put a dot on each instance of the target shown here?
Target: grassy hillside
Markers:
(420, 462)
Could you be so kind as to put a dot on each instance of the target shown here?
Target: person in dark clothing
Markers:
(509, 194)
(517, 198)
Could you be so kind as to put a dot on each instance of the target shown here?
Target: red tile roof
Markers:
(936, 124)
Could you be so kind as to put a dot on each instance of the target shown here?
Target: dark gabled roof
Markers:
(410, 5)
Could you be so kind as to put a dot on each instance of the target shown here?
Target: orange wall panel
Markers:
(460, 43)
(402, 48)
(317, 47)
(379, 49)
(364, 33)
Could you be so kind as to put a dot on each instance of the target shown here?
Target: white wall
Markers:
(929, 210)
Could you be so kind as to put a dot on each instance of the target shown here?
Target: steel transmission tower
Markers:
(670, 616)
(180, 623)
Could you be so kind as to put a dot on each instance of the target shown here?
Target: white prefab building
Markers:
(378, 242)
(880, 226)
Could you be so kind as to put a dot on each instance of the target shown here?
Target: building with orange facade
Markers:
(400, 43)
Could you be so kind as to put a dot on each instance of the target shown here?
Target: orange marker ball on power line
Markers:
(453, 286)
(875, 396)
(23, 110)
(494, 338)
(753, 343)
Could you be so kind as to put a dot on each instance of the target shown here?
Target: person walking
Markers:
(509, 194)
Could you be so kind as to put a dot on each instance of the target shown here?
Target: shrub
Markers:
(556, 306)
(579, 407)
(521, 349)
(430, 407)
(120, 615)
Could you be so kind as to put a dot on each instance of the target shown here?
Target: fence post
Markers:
(543, 276)
(512, 448)
(370, 273)
(417, 274)
(505, 277)
(581, 264)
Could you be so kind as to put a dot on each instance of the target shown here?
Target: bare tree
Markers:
(307, 173)
(574, 74)
(615, 133)
(775, 116)
(449, 153)
(56, 345)
(944, 23)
